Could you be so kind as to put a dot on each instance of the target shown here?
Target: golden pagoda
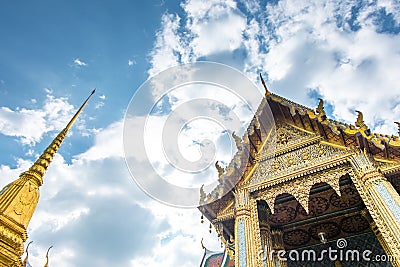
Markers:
(18, 201)
(326, 186)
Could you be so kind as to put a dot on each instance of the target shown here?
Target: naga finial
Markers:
(256, 122)
(202, 245)
(267, 92)
(398, 125)
(24, 263)
(360, 120)
(219, 169)
(47, 257)
(320, 109)
(203, 194)
(238, 140)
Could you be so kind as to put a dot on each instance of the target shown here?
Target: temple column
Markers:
(277, 245)
(266, 244)
(247, 232)
(382, 202)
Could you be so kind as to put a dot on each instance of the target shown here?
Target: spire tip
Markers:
(267, 92)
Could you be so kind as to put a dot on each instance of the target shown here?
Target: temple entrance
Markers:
(337, 230)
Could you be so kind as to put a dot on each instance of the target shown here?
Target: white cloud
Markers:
(216, 26)
(29, 125)
(108, 144)
(131, 62)
(79, 62)
(168, 50)
(335, 48)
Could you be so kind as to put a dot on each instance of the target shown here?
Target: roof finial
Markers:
(42, 163)
(398, 125)
(203, 195)
(24, 263)
(256, 122)
(360, 120)
(219, 169)
(238, 141)
(47, 257)
(267, 92)
(202, 245)
(320, 109)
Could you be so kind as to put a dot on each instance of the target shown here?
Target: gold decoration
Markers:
(360, 120)
(320, 109)
(219, 169)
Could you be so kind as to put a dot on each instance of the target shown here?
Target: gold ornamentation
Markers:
(320, 111)
(300, 187)
(219, 169)
(303, 157)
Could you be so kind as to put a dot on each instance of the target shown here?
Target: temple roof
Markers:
(384, 149)
(215, 259)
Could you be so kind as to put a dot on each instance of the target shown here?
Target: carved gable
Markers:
(295, 149)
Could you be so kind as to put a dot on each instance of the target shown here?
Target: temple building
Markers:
(18, 201)
(327, 194)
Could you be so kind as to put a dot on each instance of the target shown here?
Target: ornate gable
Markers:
(295, 150)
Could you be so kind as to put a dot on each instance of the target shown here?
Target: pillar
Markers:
(382, 202)
(247, 232)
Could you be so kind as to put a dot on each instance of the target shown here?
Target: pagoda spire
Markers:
(42, 163)
(18, 200)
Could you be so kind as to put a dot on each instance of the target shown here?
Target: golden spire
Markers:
(27, 254)
(42, 163)
(47, 257)
(18, 201)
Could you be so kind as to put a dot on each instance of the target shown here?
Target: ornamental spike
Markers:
(42, 163)
(267, 92)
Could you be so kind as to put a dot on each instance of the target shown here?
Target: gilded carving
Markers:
(292, 160)
(300, 188)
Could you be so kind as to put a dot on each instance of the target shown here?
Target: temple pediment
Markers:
(296, 151)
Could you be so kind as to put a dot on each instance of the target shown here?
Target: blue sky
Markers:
(53, 53)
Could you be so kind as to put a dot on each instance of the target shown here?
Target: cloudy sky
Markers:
(52, 53)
